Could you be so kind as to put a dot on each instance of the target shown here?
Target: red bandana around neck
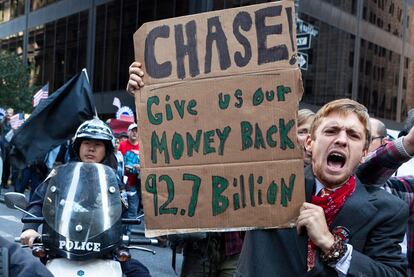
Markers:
(331, 205)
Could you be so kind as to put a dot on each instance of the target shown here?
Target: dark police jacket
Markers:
(376, 221)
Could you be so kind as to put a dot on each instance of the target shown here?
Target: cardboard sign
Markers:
(220, 153)
(221, 43)
(233, 119)
(237, 196)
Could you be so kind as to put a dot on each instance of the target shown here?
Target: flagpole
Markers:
(87, 78)
(86, 73)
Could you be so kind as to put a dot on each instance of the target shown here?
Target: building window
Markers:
(309, 87)
(368, 66)
(351, 59)
(10, 9)
(361, 65)
(13, 43)
(37, 4)
(116, 23)
(391, 9)
(354, 7)
(56, 51)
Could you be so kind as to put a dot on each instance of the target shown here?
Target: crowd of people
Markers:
(32, 174)
(126, 151)
(94, 142)
(353, 221)
(349, 225)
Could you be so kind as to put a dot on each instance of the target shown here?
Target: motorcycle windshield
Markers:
(82, 200)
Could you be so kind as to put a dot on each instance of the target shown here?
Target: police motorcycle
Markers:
(82, 225)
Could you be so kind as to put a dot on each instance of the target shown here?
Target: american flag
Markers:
(127, 117)
(16, 120)
(43, 93)
(117, 102)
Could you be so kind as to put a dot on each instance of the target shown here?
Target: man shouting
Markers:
(344, 228)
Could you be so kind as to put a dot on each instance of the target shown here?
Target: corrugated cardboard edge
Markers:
(264, 72)
(163, 232)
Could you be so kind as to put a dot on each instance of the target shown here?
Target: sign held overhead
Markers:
(220, 43)
(217, 120)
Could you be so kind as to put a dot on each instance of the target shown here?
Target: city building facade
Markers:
(347, 48)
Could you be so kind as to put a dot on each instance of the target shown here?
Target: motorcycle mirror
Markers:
(15, 200)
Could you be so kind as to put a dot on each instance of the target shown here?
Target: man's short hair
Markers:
(304, 115)
(378, 127)
(122, 135)
(344, 106)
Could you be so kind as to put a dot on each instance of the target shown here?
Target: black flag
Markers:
(53, 121)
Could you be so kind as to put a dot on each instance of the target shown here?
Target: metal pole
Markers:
(355, 73)
(90, 50)
(26, 31)
(402, 64)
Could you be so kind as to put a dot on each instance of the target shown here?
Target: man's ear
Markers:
(364, 155)
(308, 143)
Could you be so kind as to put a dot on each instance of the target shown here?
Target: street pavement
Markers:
(158, 264)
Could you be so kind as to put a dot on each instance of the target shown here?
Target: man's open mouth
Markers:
(336, 160)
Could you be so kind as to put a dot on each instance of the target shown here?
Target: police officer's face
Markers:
(92, 151)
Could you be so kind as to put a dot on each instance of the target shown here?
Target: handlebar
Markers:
(131, 221)
(36, 242)
(128, 221)
(133, 241)
(39, 220)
